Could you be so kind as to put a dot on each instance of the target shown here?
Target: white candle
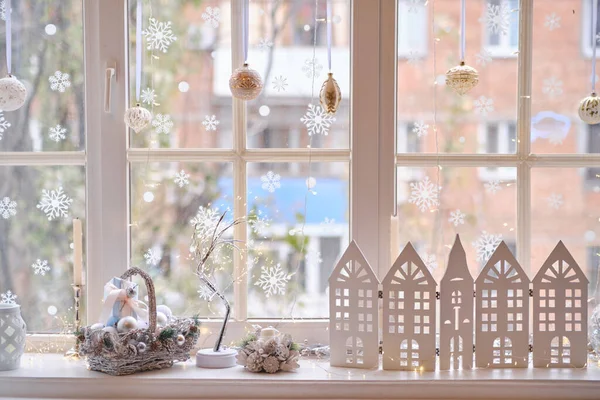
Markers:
(77, 251)
(394, 238)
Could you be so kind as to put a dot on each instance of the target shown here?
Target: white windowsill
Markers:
(50, 375)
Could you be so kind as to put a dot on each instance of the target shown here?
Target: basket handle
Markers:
(151, 294)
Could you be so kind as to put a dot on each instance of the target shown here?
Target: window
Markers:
(593, 262)
(586, 25)
(499, 138)
(505, 40)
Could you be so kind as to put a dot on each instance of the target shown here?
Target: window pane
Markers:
(560, 83)
(295, 236)
(477, 204)
(165, 199)
(37, 207)
(287, 113)
(423, 97)
(47, 57)
(185, 44)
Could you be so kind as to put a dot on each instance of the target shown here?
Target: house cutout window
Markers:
(560, 350)
(503, 351)
(409, 355)
(456, 350)
(354, 351)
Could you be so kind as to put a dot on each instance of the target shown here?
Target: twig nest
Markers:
(12, 93)
(462, 78)
(330, 95)
(589, 109)
(245, 83)
(137, 118)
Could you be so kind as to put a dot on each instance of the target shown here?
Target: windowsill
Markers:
(50, 375)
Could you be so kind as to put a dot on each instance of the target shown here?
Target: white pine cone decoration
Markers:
(282, 352)
(254, 362)
(271, 364)
(270, 346)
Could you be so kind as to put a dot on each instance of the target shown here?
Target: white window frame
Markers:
(586, 25)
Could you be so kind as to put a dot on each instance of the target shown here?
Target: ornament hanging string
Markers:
(138, 50)
(463, 39)
(594, 41)
(329, 34)
(8, 13)
(245, 28)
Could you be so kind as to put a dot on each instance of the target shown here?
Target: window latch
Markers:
(110, 73)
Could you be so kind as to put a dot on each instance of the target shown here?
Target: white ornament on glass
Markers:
(137, 118)
(353, 303)
(12, 93)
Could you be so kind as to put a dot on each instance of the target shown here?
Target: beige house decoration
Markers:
(560, 312)
(354, 316)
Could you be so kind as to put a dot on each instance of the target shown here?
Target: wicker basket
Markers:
(140, 349)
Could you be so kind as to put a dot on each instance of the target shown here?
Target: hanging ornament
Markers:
(12, 92)
(245, 83)
(589, 107)
(330, 95)
(137, 118)
(462, 78)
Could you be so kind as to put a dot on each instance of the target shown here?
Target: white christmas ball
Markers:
(110, 329)
(161, 319)
(589, 109)
(180, 340)
(96, 326)
(165, 310)
(142, 324)
(126, 324)
(137, 118)
(141, 347)
(12, 94)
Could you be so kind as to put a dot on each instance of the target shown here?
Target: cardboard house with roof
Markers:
(560, 312)
(354, 311)
(502, 311)
(456, 312)
(409, 314)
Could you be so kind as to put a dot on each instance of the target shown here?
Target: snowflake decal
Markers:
(313, 257)
(280, 83)
(182, 179)
(55, 203)
(159, 35)
(273, 280)
(420, 128)
(205, 221)
(483, 105)
(483, 58)
(258, 223)
(4, 124)
(414, 5)
(60, 81)
(40, 267)
(497, 18)
(424, 194)
(486, 245)
(328, 221)
(457, 218)
(8, 208)
(555, 200)
(552, 22)
(152, 257)
(148, 96)
(205, 293)
(492, 187)
(413, 57)
(265, 44)
(8, 297)
(57, 133)
(162, 123)
(312, 68)
(271, 181)
(552, 87)
(430, 262)
(210, 123)
(212, 16)
(317, 121)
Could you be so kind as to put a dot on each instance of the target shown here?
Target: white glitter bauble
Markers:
(245, 83)
(462, 78)
(161, 319)
(137, 118)
(589, 109)
(126, 324)
(180, 340)
(165, 310)
(12, 94)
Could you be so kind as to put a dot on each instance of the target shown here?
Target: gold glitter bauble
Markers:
(245, 83)
(589, 109)
(330, 95)
(137, 118)
(462, 78)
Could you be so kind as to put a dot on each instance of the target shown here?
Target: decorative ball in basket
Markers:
(123, 344)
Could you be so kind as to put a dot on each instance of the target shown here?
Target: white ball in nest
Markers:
(97, 326)
(165, 310)
(110, 329)
(126, 324)
(180, 340)
(161, 319)
(12, 93)
(142, 324)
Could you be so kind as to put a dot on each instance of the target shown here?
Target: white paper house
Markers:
(354, 313)
(456, 312)
(560, 312)
(409, 311)
(502, 310)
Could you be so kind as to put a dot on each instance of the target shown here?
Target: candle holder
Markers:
(73, 352)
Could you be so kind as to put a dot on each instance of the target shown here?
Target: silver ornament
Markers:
(462, 78)
(589, 109)
(137, 118)
(141, 347)
(12, 93)
(330, 95)
(245, 83)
